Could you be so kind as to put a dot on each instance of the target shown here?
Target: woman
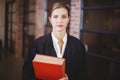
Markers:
(72, 49)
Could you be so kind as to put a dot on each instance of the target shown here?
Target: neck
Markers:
(59, 35)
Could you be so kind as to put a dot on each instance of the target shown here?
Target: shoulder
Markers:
(77, 44)
(43, 39)
(75, 41)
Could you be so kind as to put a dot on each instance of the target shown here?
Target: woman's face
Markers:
(59, 19)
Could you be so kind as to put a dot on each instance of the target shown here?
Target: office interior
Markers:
(95, 22)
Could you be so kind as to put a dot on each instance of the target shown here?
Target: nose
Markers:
(60, 20)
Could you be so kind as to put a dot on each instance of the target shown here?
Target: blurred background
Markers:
(95, 22)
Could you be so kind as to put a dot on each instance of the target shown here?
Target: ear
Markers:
(49, 19)
(68, 19)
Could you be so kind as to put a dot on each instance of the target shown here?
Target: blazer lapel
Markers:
(49, 47)
(67, 48)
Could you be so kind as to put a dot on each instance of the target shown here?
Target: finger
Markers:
(66, 76)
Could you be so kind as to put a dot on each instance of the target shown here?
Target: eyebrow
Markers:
(62, 14)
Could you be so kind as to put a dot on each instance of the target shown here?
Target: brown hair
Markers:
(57, 5)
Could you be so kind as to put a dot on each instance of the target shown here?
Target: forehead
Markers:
(60, 11)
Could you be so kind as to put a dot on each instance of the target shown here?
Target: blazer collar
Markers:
(50, 48)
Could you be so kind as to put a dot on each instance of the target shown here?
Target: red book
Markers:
(48, 67)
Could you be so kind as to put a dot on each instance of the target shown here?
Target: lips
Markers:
(60, 25)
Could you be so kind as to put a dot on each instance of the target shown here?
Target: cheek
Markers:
(67, 21)
(53, 20)
(53, 23)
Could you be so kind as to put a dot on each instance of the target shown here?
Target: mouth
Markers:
(60, 25)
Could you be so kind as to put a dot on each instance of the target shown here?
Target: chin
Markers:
(60, 29)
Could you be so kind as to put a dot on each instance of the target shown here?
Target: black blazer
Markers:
(74, 54)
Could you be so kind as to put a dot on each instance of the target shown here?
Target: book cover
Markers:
(48, 67)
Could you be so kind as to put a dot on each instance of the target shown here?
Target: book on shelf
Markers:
(48, 67)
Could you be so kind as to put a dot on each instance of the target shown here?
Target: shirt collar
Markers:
(56, 40)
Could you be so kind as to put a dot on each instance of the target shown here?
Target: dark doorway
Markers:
(10, 26)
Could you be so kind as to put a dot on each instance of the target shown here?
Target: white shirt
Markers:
(56, 46)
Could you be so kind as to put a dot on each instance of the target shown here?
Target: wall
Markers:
(40, 6)
(75, 18)
(2, 19)
(19, 27)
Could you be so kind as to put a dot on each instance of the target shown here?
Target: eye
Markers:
(64, 16)
(55, 16)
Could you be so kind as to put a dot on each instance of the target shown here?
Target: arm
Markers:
(79, 68)
(27, 70)
(84, 66)
(83, 63)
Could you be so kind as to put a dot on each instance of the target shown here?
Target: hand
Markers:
(64, 78)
